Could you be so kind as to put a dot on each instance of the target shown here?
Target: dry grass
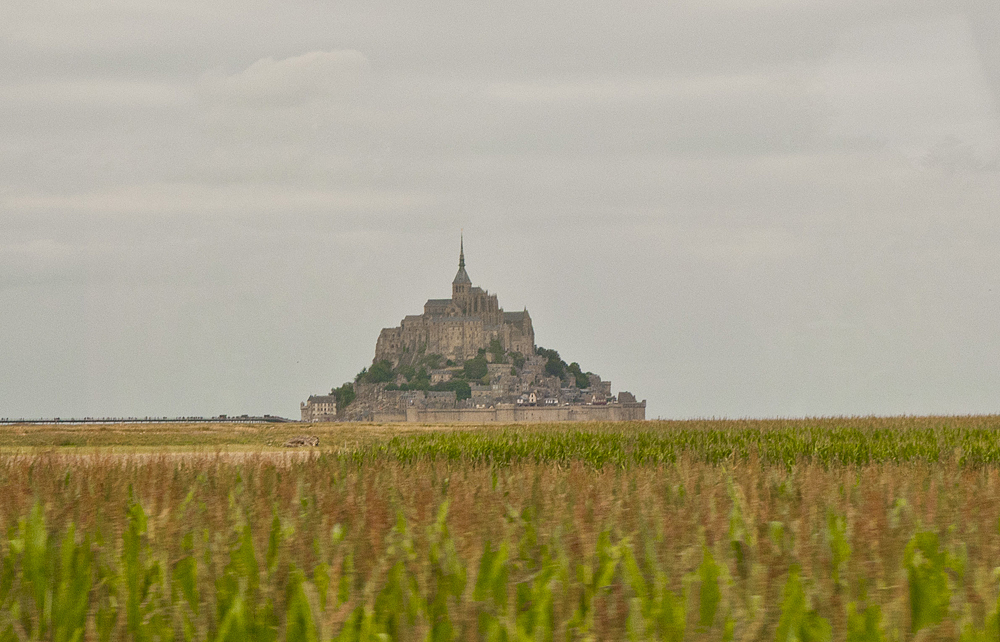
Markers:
(349, 435)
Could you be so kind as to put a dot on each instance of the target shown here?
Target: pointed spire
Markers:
(462, 276)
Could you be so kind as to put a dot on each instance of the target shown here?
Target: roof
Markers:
(462, 276)
(515, 318)
(438, 302)
(322, 399)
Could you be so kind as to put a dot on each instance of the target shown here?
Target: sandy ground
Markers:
(233, 441)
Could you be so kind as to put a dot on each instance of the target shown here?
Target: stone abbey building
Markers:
(424, 362)
(457, 328)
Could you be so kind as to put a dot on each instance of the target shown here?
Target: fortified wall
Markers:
(521, 414)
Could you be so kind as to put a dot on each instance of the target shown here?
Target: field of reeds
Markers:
(834, 529)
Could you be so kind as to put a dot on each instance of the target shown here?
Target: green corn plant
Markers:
(144, 620)
(8, 605)
(447, 577)
(71, 597)
(798, 622)
(491, 592)
(56, 581)
(864, 625)
(274, 538)
(32, 547)
(840, 549)
(244, 614)
(361, 627)
(654, 611)
(593, 578)
(184, 585)
(398, 603)
(709, 593)
(321, 580)
(534, 600)
(741, 537)
(106, 617)
(346, 578)
(926, 570)
(300, 625)
(990, 631)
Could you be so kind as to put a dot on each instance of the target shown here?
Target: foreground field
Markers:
(833, 529)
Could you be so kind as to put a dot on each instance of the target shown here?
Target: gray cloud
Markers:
(317, 75)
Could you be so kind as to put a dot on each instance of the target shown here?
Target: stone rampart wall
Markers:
(387, 418)
(529, 414)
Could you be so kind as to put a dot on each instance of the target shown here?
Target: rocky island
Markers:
(466, 360)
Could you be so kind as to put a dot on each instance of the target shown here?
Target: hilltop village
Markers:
(467, 360)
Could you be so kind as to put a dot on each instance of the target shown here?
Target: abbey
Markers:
(457, 328)
(465, 360)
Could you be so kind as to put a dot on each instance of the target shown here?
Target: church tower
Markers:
(462, 284)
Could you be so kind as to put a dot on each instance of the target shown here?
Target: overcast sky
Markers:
(743, 209)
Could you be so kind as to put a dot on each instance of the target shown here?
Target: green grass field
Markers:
(816, 529)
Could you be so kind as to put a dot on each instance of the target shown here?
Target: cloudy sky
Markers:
(745, 209)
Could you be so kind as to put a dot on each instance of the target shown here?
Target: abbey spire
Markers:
(461, 285)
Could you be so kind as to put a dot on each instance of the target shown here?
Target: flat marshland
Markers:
(823, 529)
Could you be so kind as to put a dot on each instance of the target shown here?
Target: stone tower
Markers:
(457, 328)
(462, 284)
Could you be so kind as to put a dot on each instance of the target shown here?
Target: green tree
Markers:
(421, 381)
(344, 395)
(555, 367)
(475, 368)
(380, 372)
(582, 380)
(544, 352)
(496, 349)
(462, 388)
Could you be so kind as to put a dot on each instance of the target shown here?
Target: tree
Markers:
(555, 367)
(496, 349)
(344, 395)
(380, 372)
(582, 380)
(421, 381)
(462, 388)
(476, 368)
